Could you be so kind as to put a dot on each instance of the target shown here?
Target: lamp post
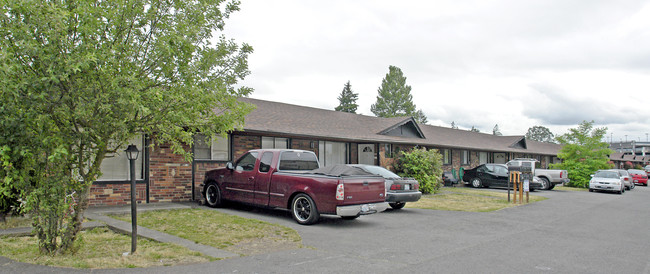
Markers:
(132, 153)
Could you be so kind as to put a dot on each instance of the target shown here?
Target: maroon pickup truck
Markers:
(292, 179)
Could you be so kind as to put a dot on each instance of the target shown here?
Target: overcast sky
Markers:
(513, 63)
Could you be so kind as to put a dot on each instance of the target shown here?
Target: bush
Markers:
(628, 165)
(423, 165)
(9, 204)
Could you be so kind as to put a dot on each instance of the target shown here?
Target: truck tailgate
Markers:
(361, 190)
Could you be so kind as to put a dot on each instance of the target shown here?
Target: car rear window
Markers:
(637, 172)
(606, 174)
(297, 161)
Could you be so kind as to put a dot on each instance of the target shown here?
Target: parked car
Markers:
(292, 179)
(448, 178)
(493, 175)
(627, 179)
(607, 180)
(398, 190)
(647, 169)
(638, 176)
(548, 177)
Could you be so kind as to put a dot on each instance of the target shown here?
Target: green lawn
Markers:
(467, 199)
(235, 234)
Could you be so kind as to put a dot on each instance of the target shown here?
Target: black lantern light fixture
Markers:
(132, 153)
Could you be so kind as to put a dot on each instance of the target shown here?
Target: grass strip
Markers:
(101, 248)
(209, 227)
(470, 200)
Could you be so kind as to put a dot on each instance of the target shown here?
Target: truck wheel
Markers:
(551, 187)
(545, 184)
(303, 209)
(213, 195)
(397, 205)
(476, 182)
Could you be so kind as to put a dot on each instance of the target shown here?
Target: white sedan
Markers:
(606, 180)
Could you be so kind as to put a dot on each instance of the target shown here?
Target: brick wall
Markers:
(244, 143)
(112, 194)
(170, 178)
(199, 173)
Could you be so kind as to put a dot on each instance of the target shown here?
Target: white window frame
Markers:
(274, 142)
(219, 148)
(327, 156)
(115, 167)
(464, 157)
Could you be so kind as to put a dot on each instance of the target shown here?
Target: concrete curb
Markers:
(27, 231)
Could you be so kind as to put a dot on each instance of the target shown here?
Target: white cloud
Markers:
(479, 63)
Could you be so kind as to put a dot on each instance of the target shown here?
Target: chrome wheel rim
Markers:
(302, 208)
(211, 194)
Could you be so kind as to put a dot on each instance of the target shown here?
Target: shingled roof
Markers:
(293, 120)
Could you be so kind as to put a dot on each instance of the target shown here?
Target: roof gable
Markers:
(521, 143)
(406, 128)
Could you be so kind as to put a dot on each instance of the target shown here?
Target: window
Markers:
(332, 153)
(273, 142)
(297, 160)
(116, 166)
(265, 162)
(217, 148)
(464, 157)
(446, 156)
(388, 150)
(247, 162)
(482, 158)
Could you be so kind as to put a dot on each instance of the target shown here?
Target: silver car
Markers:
(626, 177)
(398, 190)
(606, 180)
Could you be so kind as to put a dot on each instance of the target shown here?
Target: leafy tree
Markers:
(541, 134)
(583, 153)
(423, 165)
(81, 78)
(474, 129)
(420, 117)
(453, 125)
(394, 98)
(348, 100)
(495, 130)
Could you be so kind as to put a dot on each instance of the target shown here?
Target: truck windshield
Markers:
(298, 160)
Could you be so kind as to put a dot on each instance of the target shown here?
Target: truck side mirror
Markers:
(229, 166)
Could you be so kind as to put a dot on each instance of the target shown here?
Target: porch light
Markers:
(132, 152)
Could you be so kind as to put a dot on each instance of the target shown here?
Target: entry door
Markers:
(367, 154)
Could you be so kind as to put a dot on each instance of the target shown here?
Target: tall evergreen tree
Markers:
(453, 125)
(394, 98)
(348, 100)
(495, 130)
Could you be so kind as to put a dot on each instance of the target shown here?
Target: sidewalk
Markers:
(99, 217)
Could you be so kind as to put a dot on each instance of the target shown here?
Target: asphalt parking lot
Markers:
(572, 232)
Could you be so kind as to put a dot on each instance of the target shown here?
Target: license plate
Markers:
(407, 187)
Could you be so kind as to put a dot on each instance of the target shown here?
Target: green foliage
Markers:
(81, 78)
(423, 165)
(348, 100)
(583, 153)
(540, 134)
(395, 99)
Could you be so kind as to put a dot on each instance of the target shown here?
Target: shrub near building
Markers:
(423, 165)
